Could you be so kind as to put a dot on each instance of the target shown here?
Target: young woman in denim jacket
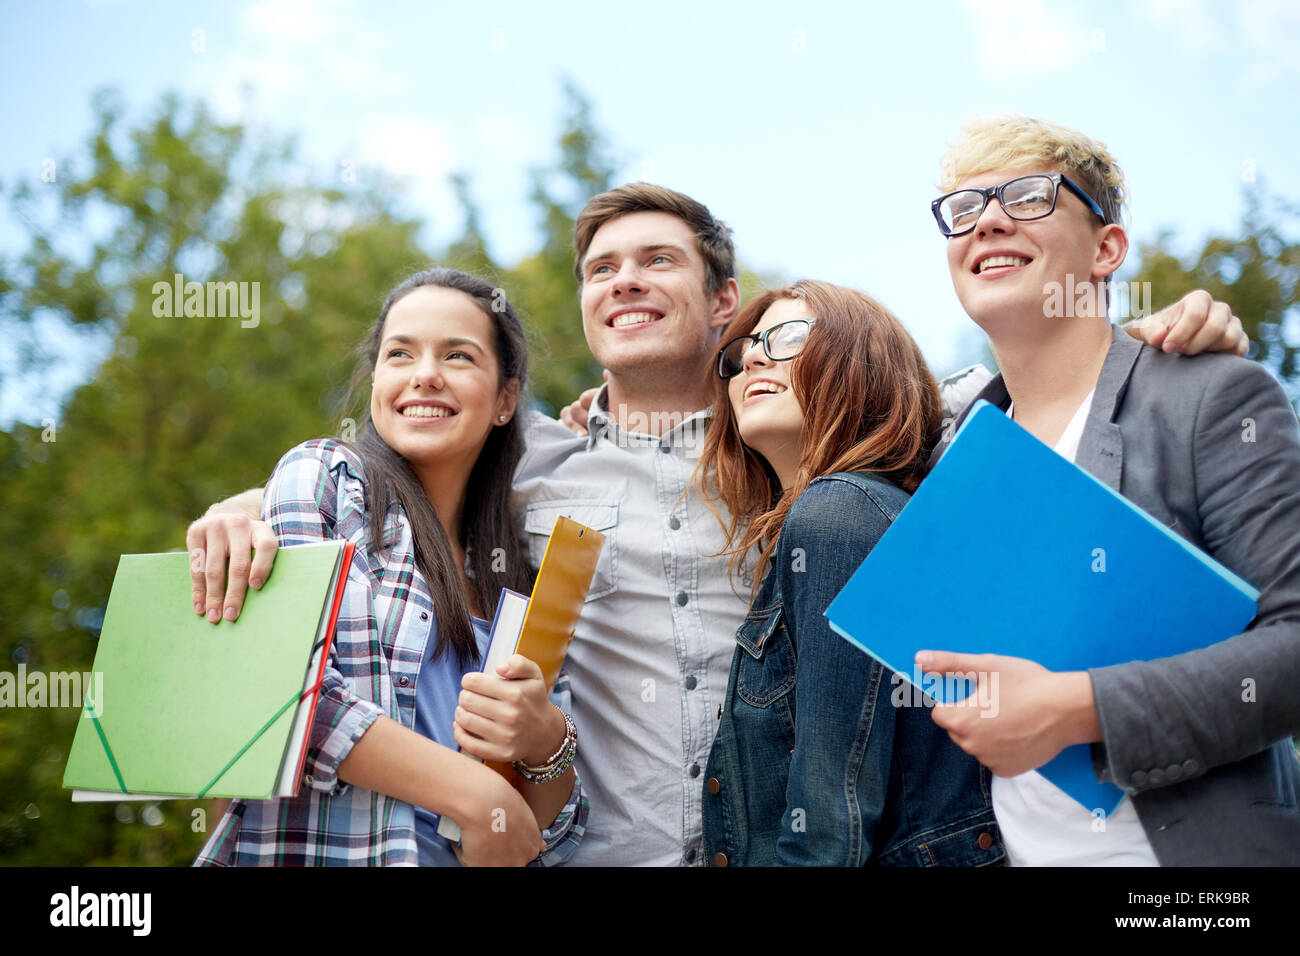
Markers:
(424, 495)
(825, 414)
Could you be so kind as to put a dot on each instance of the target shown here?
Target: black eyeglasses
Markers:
(1023, 198)
(781, 343)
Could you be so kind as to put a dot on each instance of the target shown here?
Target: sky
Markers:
(814, 129)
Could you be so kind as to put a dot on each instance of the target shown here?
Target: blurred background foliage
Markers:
(1256, 271)
(186, 411)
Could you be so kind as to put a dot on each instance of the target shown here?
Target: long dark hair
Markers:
(489, 528)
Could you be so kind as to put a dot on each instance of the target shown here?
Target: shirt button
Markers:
(424, 615)
(695, 770)
(681, 599)
(1174, 772)
(690, 682)
(1190, 767)
(1156, 777)
(666, 449)
(985, 840)
(1139, 778)
(403, 680)
(719, 859)
(690, 855)
(713, 786)
(674, 523)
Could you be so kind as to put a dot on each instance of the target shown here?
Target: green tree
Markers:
(185, 410)
(188, 409)
(1257, 272)
(544, 284)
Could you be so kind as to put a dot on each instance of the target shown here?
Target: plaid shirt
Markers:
(317, 492)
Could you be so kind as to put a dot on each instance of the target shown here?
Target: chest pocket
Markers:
(599, 514)
(767, 666)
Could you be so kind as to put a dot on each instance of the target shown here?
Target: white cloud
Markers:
(362, 74)
(1270, 37)
(418, 151)
(1024, 38)
(1192, 25)
(501, 132)
(297, 44)
(407, 145)
(234, 84)
(293, 23)
(1265, 34)
(294, 48)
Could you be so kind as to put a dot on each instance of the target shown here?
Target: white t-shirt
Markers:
(1041, 825)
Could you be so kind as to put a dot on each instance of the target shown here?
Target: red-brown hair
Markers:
(870, 403)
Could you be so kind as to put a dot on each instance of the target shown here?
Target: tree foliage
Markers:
(184, 411)
(188, 409)
(1257, 272)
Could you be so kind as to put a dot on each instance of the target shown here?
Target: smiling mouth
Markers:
(634, 318)
(762, 388)
(999, 262)
(426, 411)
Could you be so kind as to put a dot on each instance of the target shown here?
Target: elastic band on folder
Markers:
(94, 718)
(242, 750)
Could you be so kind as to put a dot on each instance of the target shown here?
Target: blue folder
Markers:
(1008, 548)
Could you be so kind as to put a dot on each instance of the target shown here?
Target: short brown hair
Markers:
(712, 236)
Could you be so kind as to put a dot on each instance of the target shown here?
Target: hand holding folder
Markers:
(541, 627)
(192, 710)
(1007, 548)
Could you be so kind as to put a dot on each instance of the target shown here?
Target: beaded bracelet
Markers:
(559, 762)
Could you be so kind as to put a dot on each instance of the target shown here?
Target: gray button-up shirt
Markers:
(649, 661)
(648, 665)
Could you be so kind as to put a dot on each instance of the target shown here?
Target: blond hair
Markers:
(1004, 142)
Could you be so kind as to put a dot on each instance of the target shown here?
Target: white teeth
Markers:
(992, 261)
(426, 411)
(633, 318)
(764, 387)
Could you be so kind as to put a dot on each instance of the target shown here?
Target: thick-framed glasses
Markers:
(1023, 198)
(781, 343)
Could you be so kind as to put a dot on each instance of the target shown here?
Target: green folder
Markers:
(181, 698)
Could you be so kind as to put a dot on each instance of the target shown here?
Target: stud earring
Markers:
(502, 419)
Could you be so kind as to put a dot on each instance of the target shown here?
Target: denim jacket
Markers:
(813, 763)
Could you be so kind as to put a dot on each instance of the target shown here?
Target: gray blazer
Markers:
(1202, 741)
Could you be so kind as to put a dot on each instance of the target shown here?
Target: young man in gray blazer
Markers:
(1200, 742)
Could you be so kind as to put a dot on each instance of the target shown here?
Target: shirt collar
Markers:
(603, 424)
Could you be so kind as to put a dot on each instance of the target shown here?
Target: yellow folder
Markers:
(565, 576)
(568, 565)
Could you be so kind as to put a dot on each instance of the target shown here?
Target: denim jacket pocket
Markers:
(767, 668)
(602, 516)
(974, 842)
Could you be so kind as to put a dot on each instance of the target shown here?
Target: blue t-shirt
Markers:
(436, 693)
